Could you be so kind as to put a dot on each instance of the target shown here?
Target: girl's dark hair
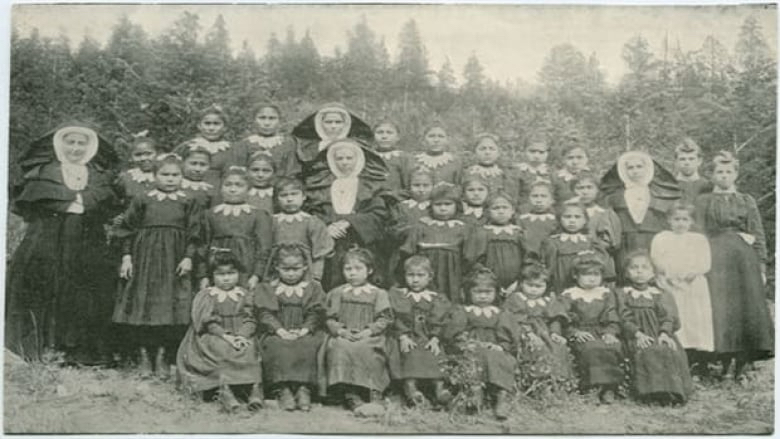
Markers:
(167, 159)
(283, 183)
(636, 254)
(542, 183)
(215, 110)
(585, 262)
(285, 249)
(141, 140)
(499, 195)
(387, 121)
(681, 205)
(263, 105)
(419, 261)
(482, 136)
(262, 156)
(585, 176)
(363, 255)
(474, 179)
(572, 203)
(446, 191)
(571, 146)
(480, 274)
(536, 137)
(221, 257)
(235, 170)
(421, 171)
(190, 151)
(534, 270)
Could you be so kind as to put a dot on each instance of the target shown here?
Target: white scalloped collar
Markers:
(587, 296)
(160, 195)
(233, 209)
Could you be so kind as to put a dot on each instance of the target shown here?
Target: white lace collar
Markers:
(414, 204)
(282, 289)
(472, 210)
(363, 289)
(647, 293)
(509, 229)
(291, 217)
(695, 177)
(434, 222)
(486, 171)
(530, 216)
(160, 195)
(233, 209)
(211, 147)
(567, 176)
(539, 301)
(196, 185)
(389, 155)
(573, 237)
(140, 176)
(426, 295)
(261, 192)
(587, 296)
(594, 210)
(434, 161)
(487, 311)
(235, 294)
(540, 170)
(266, 142)
(731, 190)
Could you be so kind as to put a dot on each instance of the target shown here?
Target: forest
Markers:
(722, 97)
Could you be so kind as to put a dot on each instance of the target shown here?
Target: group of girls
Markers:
(254, 264)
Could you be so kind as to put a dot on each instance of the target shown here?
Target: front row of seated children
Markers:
(350, 343)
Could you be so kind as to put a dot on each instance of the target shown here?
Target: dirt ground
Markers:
(46, 398)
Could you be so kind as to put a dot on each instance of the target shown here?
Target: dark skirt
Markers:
(359, 363)
(290, 360)
(446, 265)
(498, 368)
(661, 370)
(554, 356)
(506, 260)
(420, 363)
(207, 361)
(598, 363)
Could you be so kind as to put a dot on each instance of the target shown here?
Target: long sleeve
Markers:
(409, 247)
(321, 244)
(402, 310)
(369, 219)
(267, 305)
(333, 307)
(474, 246)
(314, 308)
(195, 221)
(383, 314)
(440, 314)
(507, 333)
(755, 228)
(131, 221)
(627, 320)
(204, 320)
(263, 234)
(248, 321)
(668, 316)
(456, 326)
(549, 253)
(609, 318)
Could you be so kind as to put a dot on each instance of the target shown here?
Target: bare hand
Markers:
(582, 336)
(344, 333)
(117, 221)
(535, 341)
(665, 340)
(643, 341)
(610, 339)
(366, 333)
(407, 344)
(126, 270)
(240, 343)
(433, 346)
(252, 282)
(285, 334)
(303, 332)
(185, 267)
(204, 283)
(558, 338)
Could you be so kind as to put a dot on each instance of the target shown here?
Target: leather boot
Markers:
(501, 408)
(162, 369)
(144, 363)
(228, 400)
(286, 400)
(256, 397)
(353, 400)
(414, 397)
(303, 398)
(443, 396)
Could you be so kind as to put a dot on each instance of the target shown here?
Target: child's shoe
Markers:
(162, 369)
(256, 398)
(286, 400)
(501, 408)
(353, 400)
(144, 363)
(303, 398)
(228, 400)
(414, 397)
(607, 396)
(443, 396)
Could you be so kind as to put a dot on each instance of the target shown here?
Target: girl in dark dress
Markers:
(291, 312)
(420, 314)
(139, 178)
(219, 349)
(399, 163)
(487, 153)
(575, 162)
(161, 231)
(211, 132)
(446, 166)
(261, 171)
(195, 167)
(266, 137)
(537, 218)
(475, 195)
(740, 316)
(58, 292)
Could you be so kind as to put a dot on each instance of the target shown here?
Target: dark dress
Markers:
(360, 363)
(442, 242)
(400, 165)
(205, 360)
(559, 253)
(158, 234)
(692, 189)
(502, 248)
(543, 316)
(525, 176)
(290, 307)
(261, 198)
(471, 326)
(244, 230)
(473, 215)
(421, 317)
(446, 167)
(536, 228)
(131, 183)
(740, 315)
(60, 279)
(595, 312)
(279, 146)
(205, 193)
(308, 230)
(404, 216)
(223, 155)
(657, 369)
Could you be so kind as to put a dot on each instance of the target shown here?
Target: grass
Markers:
(47, 398)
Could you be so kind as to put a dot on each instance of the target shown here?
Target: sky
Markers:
(511, 41)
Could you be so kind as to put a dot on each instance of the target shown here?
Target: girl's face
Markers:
(420, 187)
(267, 121)
(168, 177)
(196, 165)
(435, 139)
(386, 136)
(234, 189)
(225, 277)
(211, 127)
(537, 153)
(487, 152)
(74, 146)
(589, 279)
(724, 176)
(483, 294)
(688, 163)
(261, 173)
(575, 160)
(640, 270)
(345, 160)
(417, 278)
(501, 211)
(356, 272)
(443, 210)
(475, 194)
(540, 198)
(573, 219)
(291, 269)
(290, 199)
(587, 191)
(680, 221)
(143, 156)
(333, 124)
(636, 170)
(534, 288)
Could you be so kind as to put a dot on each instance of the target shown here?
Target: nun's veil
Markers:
(663, 186)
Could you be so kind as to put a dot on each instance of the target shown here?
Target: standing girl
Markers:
(195, 169)
(440, 238)
(475, 194)
(446, 166)
(420, 314)
(649, 318)
(593, 327)
(212, 125)
(261, 172)
(139, 178)
(266, 137)
(161, 232)
(406, 215)
(535, 167)
(399, 163)
(743, 327)
(358, 315)
(239, 227)
(487, 153)
(219, 349)
(538, 222)
(499, 243)
(575, 162)
(291, 312)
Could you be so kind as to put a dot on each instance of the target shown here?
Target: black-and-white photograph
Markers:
(390, 218)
